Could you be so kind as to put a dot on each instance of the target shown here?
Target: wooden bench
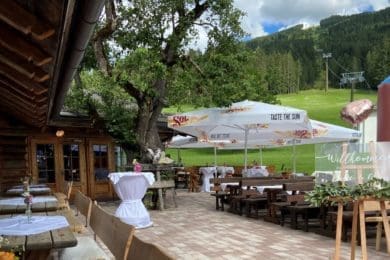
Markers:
(140, 249)
(83, 205)
(63, 196)
(114, 233)
(222, 195)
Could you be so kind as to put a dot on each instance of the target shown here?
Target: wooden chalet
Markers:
(41, 45)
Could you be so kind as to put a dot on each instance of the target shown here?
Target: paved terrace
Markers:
(195, 230)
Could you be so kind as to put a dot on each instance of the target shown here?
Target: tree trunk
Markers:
(148, 113)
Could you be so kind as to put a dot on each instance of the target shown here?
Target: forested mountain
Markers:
(358, 42)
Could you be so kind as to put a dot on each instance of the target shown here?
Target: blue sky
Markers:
(268, 16)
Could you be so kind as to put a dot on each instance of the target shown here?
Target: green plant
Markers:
(330, 193)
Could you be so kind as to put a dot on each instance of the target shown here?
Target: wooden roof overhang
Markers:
(41, 45)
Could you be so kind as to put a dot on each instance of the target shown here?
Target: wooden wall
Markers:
(13, 160)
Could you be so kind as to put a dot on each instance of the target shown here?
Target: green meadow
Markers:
(320, 105)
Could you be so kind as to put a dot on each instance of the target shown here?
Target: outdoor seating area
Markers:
(223, 235)
(162, 130)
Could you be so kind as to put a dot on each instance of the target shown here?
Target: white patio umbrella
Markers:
(322, 133)
(244, 120)
(179, 141)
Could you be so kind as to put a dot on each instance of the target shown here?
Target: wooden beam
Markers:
(34, 112)
(22, 20)
(21, 46)
(21, 79)
(29, 103)
(7, 83)
(16, 110)
(23, 66)
(18, 90)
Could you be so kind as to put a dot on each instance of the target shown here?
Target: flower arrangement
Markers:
(137, 166)
(28, 198)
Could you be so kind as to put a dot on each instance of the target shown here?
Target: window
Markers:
(46, 163)
(100, 161)
(120, 159)
(71, 162)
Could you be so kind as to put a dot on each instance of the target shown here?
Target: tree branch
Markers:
(133, 91)
(193, 63)
(103, 34)
(170, 56)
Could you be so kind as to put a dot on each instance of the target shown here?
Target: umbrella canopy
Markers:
(322, 133)
(179, 141)
(246, 120)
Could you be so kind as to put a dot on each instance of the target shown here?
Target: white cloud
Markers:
(289, 13)
(292, 12)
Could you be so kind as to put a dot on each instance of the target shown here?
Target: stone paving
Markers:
(195, 230)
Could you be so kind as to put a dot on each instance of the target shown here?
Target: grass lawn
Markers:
(319, 105)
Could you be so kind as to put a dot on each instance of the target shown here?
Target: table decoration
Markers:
(28, 198)
(137, 166)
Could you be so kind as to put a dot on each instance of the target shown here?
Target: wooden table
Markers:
(35, 207)
(33, 191)
(306, 210)
(38, 246)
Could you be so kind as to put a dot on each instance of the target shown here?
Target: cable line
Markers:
(341, 66)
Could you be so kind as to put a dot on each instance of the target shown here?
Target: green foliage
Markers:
(325, 193)
(140, 68)
(358, 43)
(112, 103)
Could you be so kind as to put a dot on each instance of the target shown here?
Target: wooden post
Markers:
(385, 224)
(159, 191)
(354, 228)
(363, 242)
(338, 230)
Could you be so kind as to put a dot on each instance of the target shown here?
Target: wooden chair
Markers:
(140, 249)
(271, 169)
(63, 196)
(193, 185)
(114, 233)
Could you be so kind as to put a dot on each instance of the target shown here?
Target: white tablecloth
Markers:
(131, 188)
(224, 185)
(18, 226)
(257, 172)
(223, 170)
(262, 188)
(207, 174)
(20, 200)
(36, 189)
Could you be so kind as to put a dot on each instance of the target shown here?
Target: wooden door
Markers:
(45, 162)
(73, 165)
(57, 161)
(101, 163)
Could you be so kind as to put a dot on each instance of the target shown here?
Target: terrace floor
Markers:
(195, 230)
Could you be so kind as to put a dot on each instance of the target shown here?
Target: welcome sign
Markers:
(359, 162)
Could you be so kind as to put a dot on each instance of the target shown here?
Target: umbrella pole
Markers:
(215, 155)
(246, 150)
(294, 156)
(261, 155)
